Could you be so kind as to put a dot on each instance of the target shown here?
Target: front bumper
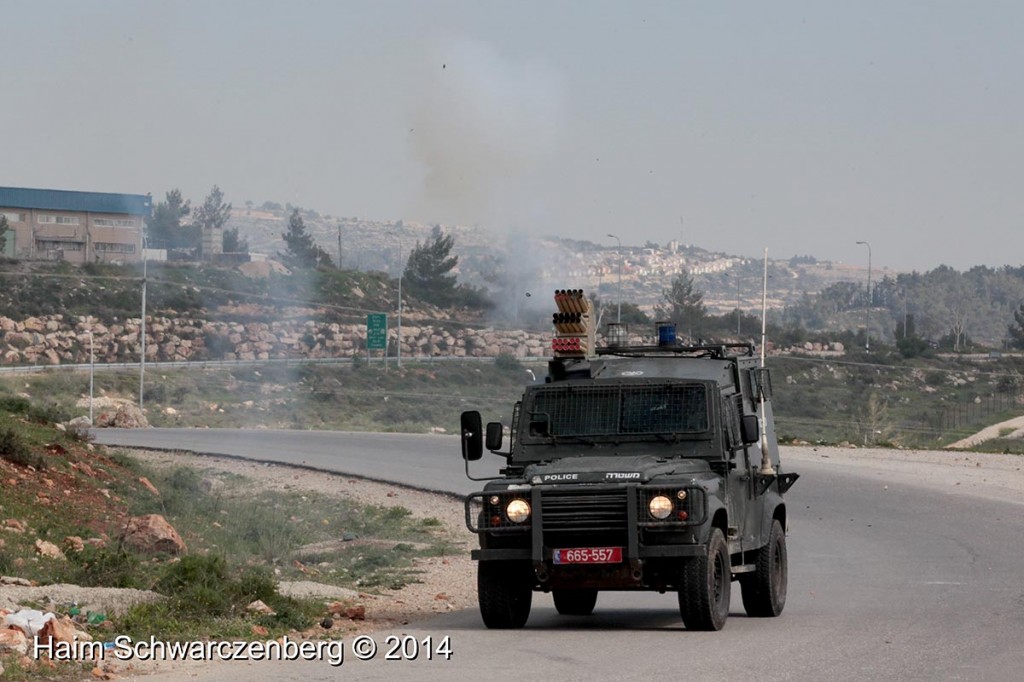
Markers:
(568, 516)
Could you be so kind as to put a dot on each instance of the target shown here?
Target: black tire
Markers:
(705, 587)
(764, 590)
(574, 602)
(505, 591)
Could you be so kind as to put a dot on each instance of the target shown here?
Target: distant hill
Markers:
(516, 263)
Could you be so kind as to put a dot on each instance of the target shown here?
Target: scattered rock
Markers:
(10, 580)
(259, 631)
(210, 485)
(127, 416)
(151, 534)
(79, 426)
(49, 550)
(62, 630)
(74, 543)
(327, 623)
(148, 485)
(259, 607)
(12, 639)
(15, 526)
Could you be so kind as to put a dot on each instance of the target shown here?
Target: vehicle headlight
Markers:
(517, 511)
(660, 507)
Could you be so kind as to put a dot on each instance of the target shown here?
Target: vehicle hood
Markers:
(618, 469)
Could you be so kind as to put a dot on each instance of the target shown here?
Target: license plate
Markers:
(588, 555)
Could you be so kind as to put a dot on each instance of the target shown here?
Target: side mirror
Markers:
(750, 429)
(494, 436)
(472, 436)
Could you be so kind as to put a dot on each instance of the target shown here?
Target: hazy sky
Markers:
(798, 126)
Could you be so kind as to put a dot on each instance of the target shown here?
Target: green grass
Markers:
(357, 397)
(241, 538)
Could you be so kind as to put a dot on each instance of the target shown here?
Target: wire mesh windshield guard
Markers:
(565, 410)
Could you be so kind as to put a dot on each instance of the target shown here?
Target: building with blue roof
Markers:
(78, 227)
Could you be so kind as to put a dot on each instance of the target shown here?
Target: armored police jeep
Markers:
(650, 467)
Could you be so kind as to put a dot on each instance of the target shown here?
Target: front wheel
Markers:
(764, 590)
(705, 587)
(505, 592)
(574, 602)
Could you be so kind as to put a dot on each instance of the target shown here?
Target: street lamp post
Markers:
(867, 310)
(618, 317)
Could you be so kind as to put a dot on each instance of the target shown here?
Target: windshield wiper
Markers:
(665, 439)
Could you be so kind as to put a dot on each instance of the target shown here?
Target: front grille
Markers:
(584, 510)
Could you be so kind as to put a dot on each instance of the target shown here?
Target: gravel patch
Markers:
(108, 600)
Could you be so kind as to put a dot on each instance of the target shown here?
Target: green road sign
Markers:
(377, 331)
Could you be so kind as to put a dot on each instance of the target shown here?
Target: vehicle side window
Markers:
(733, 408)
(760, 380)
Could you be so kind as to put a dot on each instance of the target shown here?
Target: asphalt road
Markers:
(897, 583)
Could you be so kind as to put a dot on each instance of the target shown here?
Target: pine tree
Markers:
(165, 229)
(233, 243)
(302, 251)
(684, 305)
(1016, 330)
(426, 271)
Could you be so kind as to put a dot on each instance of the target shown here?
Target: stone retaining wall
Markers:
(59, 339)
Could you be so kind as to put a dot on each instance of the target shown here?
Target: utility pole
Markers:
(618, 317)
(339, 245)
(867, 310)
(92, 370)
(739, 314)
(142, 329)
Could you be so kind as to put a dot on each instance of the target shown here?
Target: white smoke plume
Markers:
(481, 126)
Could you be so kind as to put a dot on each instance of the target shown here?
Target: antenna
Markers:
(766, 461)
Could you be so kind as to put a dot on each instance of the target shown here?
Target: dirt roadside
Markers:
(999, 477)
(445, 583)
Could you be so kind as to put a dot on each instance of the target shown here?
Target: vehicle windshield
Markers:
(617, 410)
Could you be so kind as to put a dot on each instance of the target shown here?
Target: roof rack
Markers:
(720, 350)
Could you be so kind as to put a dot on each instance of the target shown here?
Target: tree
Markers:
(631, 314)
(165, 229)
(909, 344)
(684, 305)
(233, 243)
(426, 271)
(213, 214)
(1016, 330)
(302, 251)
(3, 235)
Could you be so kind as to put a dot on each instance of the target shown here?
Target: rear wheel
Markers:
(764, 590)
(505, 591)
(705, 587)
(574, 602)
